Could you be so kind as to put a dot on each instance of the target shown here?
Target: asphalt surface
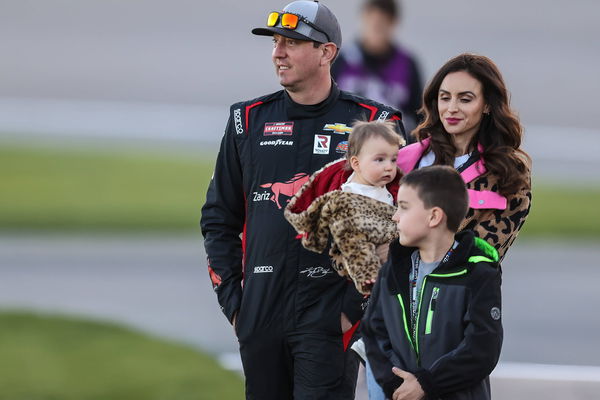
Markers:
(160, 285)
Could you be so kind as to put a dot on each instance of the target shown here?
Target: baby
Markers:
(352, 200)
(372, 152)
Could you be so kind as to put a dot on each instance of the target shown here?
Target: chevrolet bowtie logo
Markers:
(337, 128)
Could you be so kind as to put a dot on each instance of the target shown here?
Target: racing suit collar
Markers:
(302, 111)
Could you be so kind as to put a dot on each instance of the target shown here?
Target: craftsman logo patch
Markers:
(278, 129)
(338, 128)
(322, 144)
(342, 147)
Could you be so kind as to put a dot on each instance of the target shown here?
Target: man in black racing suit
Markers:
(294, 316)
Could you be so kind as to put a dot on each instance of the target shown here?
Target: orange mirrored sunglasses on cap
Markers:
(290, 21)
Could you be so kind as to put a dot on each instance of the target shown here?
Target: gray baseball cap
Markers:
(322, 25)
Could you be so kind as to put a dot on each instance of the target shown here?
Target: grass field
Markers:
(51, 357)
(50, 189)
(563, 211)
(86, 190)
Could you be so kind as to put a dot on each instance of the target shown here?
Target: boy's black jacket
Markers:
(459, 322)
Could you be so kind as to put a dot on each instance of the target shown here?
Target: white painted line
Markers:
(230, 361)
(197, 122)
(547, 372)
(504, 370)
(112, 119)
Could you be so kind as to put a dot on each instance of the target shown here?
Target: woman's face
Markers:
(461, 105)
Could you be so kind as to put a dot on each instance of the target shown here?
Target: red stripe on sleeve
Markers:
(248, 108)
(373, 110)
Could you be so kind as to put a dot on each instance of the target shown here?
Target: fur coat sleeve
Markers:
(356, 224)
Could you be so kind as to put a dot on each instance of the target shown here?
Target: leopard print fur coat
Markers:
(355, 223)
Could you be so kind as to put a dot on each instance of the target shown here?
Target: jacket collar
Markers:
(302, 111)
(409, 156)
(468, 246)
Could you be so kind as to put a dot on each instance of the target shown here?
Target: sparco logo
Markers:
(383, 116)
(263, 269)
(237, 118)
(277, 142)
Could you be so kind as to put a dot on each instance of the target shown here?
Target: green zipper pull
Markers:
(431, 311)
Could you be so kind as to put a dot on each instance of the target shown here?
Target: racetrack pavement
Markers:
(160, 284)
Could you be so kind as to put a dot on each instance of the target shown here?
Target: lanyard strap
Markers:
(414, 294)
(415, 291)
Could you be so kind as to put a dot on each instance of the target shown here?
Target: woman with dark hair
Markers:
(468, 124)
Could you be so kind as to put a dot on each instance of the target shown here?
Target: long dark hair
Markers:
(500, 132)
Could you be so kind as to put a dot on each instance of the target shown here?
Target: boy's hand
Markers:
(410, 388)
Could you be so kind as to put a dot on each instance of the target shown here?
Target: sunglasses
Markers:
(290, 21)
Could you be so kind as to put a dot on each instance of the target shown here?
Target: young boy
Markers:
(352, 199)
(433, 327)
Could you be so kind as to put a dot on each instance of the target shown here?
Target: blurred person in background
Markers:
(468, 124)
(376, 67)
(293, 315)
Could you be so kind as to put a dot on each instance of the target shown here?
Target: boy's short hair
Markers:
(441, 186)
(363, 130)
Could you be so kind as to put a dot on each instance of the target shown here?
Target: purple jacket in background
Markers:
(391, 79)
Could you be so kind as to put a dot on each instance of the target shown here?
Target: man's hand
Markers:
(382, 252)
(410, 388)
(346, 324)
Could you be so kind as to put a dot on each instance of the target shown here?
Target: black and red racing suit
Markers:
(288, 300)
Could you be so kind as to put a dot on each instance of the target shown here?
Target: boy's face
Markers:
(412, 218)
(375, 164)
